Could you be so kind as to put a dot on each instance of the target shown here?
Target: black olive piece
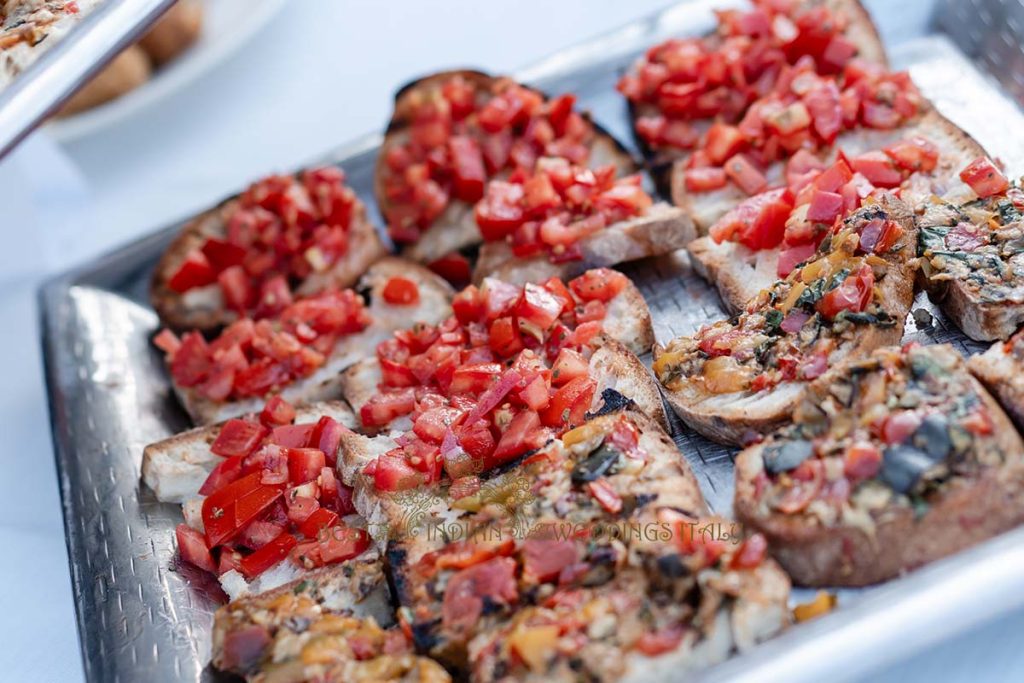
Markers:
(902, 467)
(932, 436)
(672, 566)
(596, 465)
(786, 456)
(612, 402)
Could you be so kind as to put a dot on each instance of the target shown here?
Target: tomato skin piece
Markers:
(237, 288)
(853, 294)
(267, 556)
(468, 164)
(322, 518)
(277, 411)
(195, 271)
(401, 291)
(385, 407)
(518, 438)
(221, 518)
(538, 306)
(291, 436)
(985, 178)
(454, 268)
(653, 644)
(834, 177)
(751, 553)
(226, 471)
(878, 168)
(704, 179)
(825, 207)
(468, 305)
(500, 211)
(505, 339)
(304, 464)
(568, 366)
(916, 154)
(222, 254)
(746, 176)
(393, 473)
(570, 403)
(758, 222)
(601, 284)
(475, 378)
(191, 361)
(238, 437)
(192, 548)
(861, 461)
(790, 257)
(605, 495)
(339, 543)
(723, 141)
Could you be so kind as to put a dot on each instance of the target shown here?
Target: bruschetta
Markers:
(606, 523)
(1001, 370)
(325, 627)
(973, 254)
(735, 379)
(450, 134)
(900, 460)
(471, 395)
(285, 237)
(687, 90)
(560, 220)
(302, 350)
(767, 235)
(260, 498)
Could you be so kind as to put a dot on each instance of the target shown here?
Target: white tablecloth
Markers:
(322, 73)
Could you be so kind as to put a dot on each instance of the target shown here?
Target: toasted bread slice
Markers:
(740, 273)
(612, 365)
(596, 508)
(860, 30)
(456, 228)
(433, 305)
(355, 588)
(858, 490)
(176, 467)
(1001, 370)
(333, 612)
(971, 263)
(203, 308)
(661, 230)
(752, 379)
(627, 321)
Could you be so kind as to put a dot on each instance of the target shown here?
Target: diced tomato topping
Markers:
(195, 271)
(339, 543)
(878, 168)
(304, 464)
(758, 222)
(723, 141)
(746, 176)
(192, 548)
(544, 559)
(385, 407)
(985, 178)
(238, 437)
(268, 555)
(466, 591)
(401, 291)
(569, 365)
(604, 494)
(915, 154)
(751, 553)
(853, 294)
(862, 461)
(318, 520)
(825, 207)
(226, 471)
(656, 643)
(520, 436)
(601, 284)
(277, 411)
(898, 426)
(454, 268)
(791, 257)
(704, 179)
(570, 403)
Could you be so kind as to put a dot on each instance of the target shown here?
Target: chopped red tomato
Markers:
(493, 580)
(467, 161)
(192, 548)
(277, 411)
(915, 154)
(722, 142)
(853, 294)
(520, 436)
(985, 178)
(601, 284)
(385, 407)
(304, 464)
(862, 461)
(898, 426)
(401, 291)
(878, 168)
(195, 271)
(454, 268)
(317, 521)
(825, 207)
(226, 471)
(604, 494)
(758, 222)
(238, 437)
(393, 473)
(570, 403)
(751, 553)
(704, 179)
(746, 176)
(656, 643)
(339, 543)
(544, 559)
(268, 555)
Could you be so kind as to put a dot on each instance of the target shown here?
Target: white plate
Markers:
(227, 25)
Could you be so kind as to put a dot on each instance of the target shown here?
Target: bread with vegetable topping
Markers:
(1001, 370)
(736, 379)
(740, 273)
(433, 214)
(607, 522)
(898, 461)
(660, 229)
(972, 258)
(429, 298)
(284, 237)
(679, 87)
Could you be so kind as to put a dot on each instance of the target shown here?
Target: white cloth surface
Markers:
(322, 73)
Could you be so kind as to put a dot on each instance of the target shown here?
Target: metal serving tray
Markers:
(61, 70)
(141, 615)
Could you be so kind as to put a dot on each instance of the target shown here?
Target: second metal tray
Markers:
(143, 616)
